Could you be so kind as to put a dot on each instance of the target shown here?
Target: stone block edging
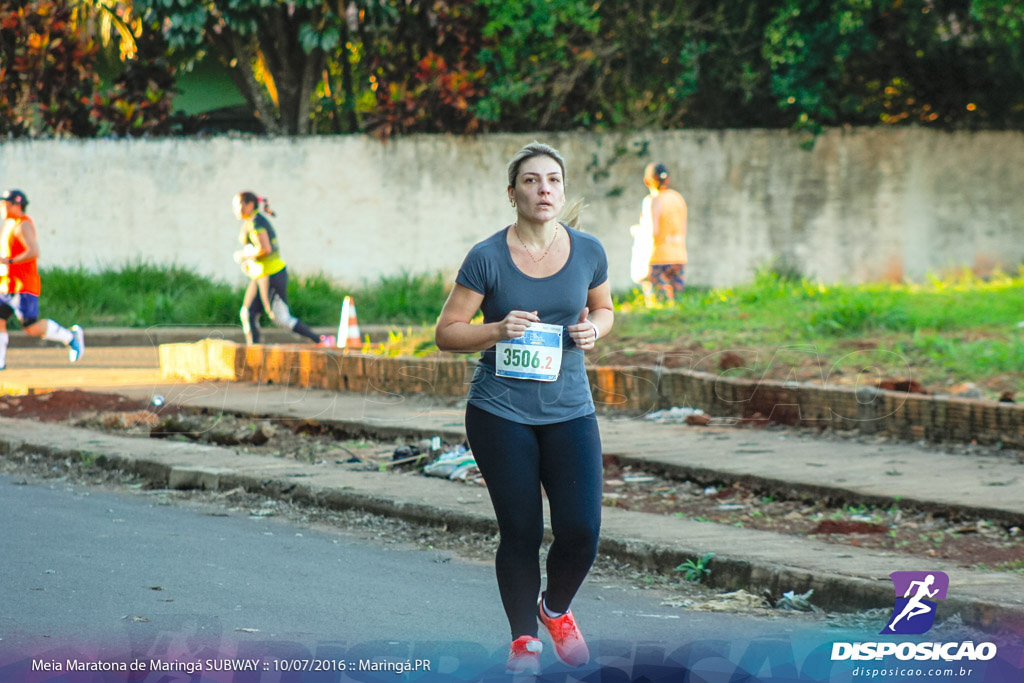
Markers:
(633, 389)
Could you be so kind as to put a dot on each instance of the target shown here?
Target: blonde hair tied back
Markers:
(570, 215)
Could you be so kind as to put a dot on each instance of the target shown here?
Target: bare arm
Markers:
(26, 233)
(264, 244)
(598, 313)
(252, 251)
(655, 214)
(455, 332)
(260, 285)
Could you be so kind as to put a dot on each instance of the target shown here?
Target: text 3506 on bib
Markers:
(536, 355)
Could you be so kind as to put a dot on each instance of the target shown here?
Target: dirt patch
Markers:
(59, 406)
(969, 542)
(842, 366)
(840, 526)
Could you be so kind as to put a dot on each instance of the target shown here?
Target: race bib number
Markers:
(536, 355)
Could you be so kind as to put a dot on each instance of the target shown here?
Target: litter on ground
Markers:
(458, 463)
(673, 415)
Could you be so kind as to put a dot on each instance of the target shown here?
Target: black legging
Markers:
(277, 288)
(515, 459)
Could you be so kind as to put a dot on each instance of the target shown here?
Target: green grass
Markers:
(696, 570)
(140, 295)
(403, 299)
(780, 310)
(944, 330)
(958, 328)
(137, 295)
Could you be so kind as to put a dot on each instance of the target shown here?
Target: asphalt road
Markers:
(112, 577)
(101, 572)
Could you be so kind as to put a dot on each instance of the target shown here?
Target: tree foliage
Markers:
(48, 81)
(930, 62)
(538, 57)
(668, 64)
(274, 50)
(425, 71)
(46, 84)
(1001, 25)
(391, 67)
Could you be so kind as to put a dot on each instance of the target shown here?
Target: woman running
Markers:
(268, 274)
(544, 292)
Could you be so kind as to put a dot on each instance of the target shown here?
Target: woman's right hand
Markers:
(515, 324)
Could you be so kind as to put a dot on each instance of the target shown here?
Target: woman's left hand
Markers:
(584, 333)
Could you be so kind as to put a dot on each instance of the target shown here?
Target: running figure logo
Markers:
(916, 593)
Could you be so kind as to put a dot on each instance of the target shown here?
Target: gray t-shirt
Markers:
(558, 300)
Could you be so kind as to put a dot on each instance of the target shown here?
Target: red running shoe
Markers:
(524, 656)
(569, 644)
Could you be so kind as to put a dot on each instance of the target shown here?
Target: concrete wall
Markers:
(863, 204)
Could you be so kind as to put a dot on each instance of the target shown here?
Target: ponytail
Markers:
(266, 206)
(571, 215)
(256, 200)
(661, 173)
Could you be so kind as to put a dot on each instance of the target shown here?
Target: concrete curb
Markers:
(771, 461)
(352, 429)
(818, 492)
(653, 542)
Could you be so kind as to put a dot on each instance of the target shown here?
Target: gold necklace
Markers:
(515, 228)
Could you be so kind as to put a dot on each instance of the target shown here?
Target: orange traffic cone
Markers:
(348, 329)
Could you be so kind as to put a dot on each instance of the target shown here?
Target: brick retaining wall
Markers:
(625, 388)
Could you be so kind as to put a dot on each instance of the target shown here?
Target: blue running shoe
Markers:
(77, 345)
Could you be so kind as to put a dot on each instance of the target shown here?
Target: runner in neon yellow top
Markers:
(261, 260)
(254, 227)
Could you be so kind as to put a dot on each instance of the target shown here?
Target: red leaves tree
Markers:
(46, 77)
(48, 83)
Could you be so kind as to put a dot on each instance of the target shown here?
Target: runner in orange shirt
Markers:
(665, 210)
(19, 280)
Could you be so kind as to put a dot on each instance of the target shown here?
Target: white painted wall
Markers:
(862, 205)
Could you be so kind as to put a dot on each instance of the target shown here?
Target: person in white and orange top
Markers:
(20, 286)
(665, 211)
